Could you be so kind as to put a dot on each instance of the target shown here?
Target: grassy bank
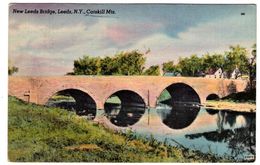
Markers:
(61, 97)
(38, 133)
(241, 102)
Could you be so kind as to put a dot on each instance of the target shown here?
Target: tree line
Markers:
(123, 63)
(236, 57)
(133, 63)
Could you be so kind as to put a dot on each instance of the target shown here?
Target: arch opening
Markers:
(212, 96)
(124, 108)
(209, 98)
(178, 105)
(74, 100)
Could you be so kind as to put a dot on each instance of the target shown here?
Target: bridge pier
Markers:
(31, 96)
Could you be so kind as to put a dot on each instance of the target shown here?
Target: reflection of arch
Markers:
(179, 116)
(84, 103)
(212, 111)
(128, 111)
(184, 100)
(212, 96)
(181, 92)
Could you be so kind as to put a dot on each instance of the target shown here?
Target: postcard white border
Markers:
(4, 56)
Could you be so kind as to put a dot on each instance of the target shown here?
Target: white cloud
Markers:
(59, 46)
(214, 36)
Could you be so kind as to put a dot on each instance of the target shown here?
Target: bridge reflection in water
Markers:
(123, 115)
(225, 133)
(220, 132)
(178, 116)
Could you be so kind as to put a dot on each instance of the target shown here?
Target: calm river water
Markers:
(224, 133)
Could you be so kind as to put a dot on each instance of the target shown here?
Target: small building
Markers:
(216, 74)
(236, 74)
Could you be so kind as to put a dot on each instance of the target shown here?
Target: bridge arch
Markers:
(84, 103)
(127, 95)
(127, 111)
(138, 91)
(212, 96)
(46, 94)
(181, 92)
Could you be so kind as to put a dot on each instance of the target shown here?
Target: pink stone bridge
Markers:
(133, 89)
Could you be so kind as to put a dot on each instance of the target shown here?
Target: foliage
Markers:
(236, 57)
(87, 66)
(252, 67)
(41, 134)
(153, 70)
(108, 66)
(190, 66)
(12, 70)
(212, 62)
(124, 63)
(170, 67)
(132, 63)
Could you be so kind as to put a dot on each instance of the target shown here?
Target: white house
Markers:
(236, 74)
(217, 74)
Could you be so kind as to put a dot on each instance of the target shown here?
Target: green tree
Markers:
(212, 62)
(167, 67)
(153, 70)
(252, 66)
(108, 66)
(196, 64)
(124, 63)
(236, 57)
(11, 68)
(87, 66)
(190, 66)
(130, 63)
(170, 67)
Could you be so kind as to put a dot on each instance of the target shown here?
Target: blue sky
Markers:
(48, 44)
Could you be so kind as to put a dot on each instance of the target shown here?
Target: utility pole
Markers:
(148, 106)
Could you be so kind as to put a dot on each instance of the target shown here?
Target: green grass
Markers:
(40, 134)
(113, 99)
(61, 97)
(165, 95)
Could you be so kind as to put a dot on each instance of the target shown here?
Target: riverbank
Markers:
(241, 102)
(40, 134)
(228, 105)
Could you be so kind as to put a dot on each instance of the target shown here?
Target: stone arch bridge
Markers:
(129, 89)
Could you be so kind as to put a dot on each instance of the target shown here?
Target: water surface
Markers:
(225, 133)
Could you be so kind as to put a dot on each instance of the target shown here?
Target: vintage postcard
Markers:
(131, 82)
